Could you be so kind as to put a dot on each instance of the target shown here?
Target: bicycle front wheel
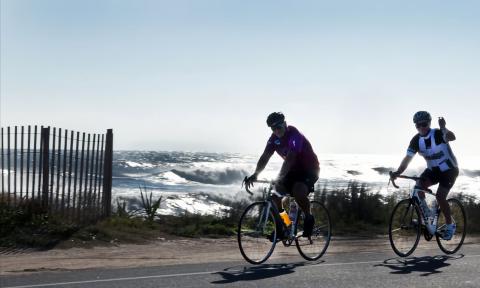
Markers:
(458, 217)
(404, 228)
(257, 233)
(312, 248)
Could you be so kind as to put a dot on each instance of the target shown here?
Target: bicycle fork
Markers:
(262, 221)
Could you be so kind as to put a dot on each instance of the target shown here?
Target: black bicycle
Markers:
(408, 221)
(258, 229)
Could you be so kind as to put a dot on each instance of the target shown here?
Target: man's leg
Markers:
(442, 193)
(280, 188)
(424, 183)
(278, 202)
(300, 192)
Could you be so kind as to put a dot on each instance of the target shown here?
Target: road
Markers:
(428, 267)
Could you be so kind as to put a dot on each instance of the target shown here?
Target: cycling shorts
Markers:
(445, 179)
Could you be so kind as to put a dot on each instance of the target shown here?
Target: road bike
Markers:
(412, 217)
(260, 225)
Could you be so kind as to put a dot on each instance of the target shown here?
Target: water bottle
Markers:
(293, 211)
(285, 218)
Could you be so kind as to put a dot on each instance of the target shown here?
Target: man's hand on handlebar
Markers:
(394, 175)
(249, 180)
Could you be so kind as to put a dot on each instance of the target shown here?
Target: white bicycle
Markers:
(408, 221)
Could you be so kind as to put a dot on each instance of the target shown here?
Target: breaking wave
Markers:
(216, 177)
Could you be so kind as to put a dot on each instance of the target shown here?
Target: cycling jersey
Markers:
(294, 141)
(435, 149)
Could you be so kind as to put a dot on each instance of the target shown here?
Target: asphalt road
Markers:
(427, 268)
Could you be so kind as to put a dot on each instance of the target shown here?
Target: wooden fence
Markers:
(68, 173)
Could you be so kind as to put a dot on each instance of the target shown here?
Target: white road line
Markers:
(189, 274)
(113, 279)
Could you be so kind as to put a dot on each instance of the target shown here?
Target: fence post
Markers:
(107, 174)
(45, 165)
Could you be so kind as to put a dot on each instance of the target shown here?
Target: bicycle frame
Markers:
(270, 204)
(413, 195)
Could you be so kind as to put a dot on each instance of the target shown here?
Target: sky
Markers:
(204, 75)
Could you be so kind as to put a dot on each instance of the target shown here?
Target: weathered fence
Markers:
(68, 173)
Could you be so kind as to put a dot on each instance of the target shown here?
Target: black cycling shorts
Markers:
(307, 177)
(445, 179)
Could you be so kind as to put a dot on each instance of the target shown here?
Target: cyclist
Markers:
(300, 168)
(442, 168)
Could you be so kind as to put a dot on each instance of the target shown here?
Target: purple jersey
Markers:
(294, 141)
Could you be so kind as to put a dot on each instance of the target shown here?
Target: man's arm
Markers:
(448, 135)
(263, 161)
(403, 165)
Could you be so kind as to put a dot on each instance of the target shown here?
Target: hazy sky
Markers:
(203, 75)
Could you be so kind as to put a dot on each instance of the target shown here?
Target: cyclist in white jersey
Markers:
(442, 167)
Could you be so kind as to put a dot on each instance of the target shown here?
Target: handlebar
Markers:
(271, 182)
(392, 178)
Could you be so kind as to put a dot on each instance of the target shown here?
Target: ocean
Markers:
(194, 181)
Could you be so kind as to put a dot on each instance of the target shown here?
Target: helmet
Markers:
(421, 116)
(275, 118)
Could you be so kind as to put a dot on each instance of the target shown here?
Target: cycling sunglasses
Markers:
(422, 124)
(277, 126)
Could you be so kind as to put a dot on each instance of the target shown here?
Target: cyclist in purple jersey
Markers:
(299, 170)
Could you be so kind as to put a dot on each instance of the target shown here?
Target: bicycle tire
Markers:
(458, 215)
(405, 210)
(252, 238)
(322, 233)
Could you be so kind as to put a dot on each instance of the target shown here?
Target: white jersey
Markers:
(435, 149)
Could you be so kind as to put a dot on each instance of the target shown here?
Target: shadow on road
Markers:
(259, 272)
(428, 265)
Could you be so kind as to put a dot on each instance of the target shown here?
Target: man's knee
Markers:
(423, 183)
(278, 201)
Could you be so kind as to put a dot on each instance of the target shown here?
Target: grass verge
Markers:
(354, 211)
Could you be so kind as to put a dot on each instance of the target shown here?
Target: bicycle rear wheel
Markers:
(257, 233)
(312, 248)
(459, 218)
(404, 228)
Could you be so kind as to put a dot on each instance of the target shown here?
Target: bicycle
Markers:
(409, 219)
(259, 225)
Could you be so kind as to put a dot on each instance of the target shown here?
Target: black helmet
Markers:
(421, 116)
(275, 118)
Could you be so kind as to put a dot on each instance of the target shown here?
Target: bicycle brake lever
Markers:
(393, 183)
